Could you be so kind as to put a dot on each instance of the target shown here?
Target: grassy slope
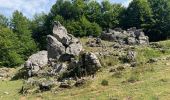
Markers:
(153, 82)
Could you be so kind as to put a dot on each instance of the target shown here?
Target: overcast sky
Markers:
(30, 7)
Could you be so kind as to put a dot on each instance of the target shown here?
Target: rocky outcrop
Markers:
(62, 43)
(131, 36)
(60, 58)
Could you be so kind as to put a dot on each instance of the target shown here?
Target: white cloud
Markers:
(28, 7)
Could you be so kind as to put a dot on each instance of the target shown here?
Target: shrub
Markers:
(104, 82)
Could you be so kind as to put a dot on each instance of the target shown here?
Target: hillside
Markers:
(146, 81)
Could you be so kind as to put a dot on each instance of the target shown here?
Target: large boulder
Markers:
(54, 47)
(40, 59)
(35, 62)
(90, 62)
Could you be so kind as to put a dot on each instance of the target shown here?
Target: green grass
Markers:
(10, 87)
(144, 82)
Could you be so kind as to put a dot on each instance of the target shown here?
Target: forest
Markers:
(20, 36)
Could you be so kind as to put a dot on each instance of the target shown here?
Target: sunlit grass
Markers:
(143, 82)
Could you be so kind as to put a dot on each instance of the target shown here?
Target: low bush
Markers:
(104, 82)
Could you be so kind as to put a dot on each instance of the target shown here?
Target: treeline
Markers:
(20, 36)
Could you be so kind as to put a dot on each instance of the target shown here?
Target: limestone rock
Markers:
(131, 56)
(90, 62)
(54, 47)
(74, 48)
(62, 43)
(60, 33)
(130, 36)
(35, 62)
(131, 41)
(39, 59)
(60, 68)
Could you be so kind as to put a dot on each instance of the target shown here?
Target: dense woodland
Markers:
(20, 36)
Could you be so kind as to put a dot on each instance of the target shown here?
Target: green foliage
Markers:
(9, 48)
(83, 28)
(111, 15)
(161, 16)
(93, 11)
(84, 18)
(138, 14)
(104, 82)
(38, 28)
(21, 26)
(3, 21)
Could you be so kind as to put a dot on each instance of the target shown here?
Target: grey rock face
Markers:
(131, 41)
(39, 59)
(60, 33)
(132, 36)
(74, 48)
(60, 68)
(90, 62)
(54, 47)
(62, 43)
(35, 62)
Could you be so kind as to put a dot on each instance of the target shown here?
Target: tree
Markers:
(93, 11)
(111, 15)
(3, 21)
(9, 54)
(38, 28)
(83, 27)
(138, 14)
(161, 28)
(78, 8)
(21, 26)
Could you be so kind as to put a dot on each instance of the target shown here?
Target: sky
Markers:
(31, 7)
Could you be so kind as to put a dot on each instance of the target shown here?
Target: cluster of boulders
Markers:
(130, 36)
(60, 58)
(97, 42)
